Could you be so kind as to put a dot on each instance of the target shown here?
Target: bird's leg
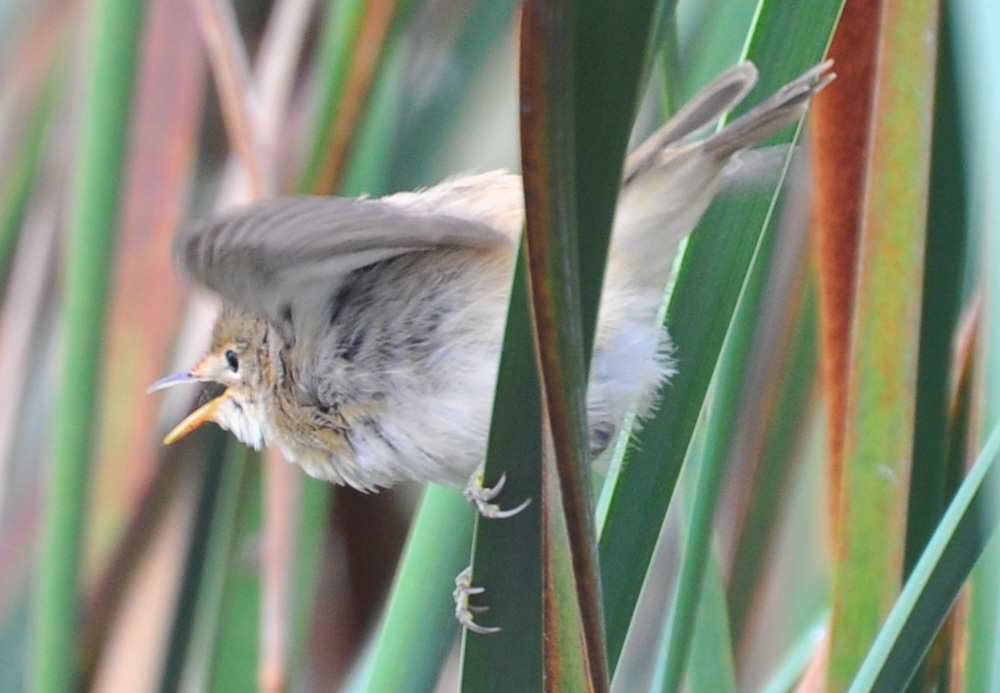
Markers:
(481, 497)
(465, 612)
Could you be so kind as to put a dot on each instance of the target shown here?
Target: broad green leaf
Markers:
(883, 361)
(507, 555)
(717, 259)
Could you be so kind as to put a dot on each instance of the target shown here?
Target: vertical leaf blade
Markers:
(880, 407)
(507, 555)
(113, 29)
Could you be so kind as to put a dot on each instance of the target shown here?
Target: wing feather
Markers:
(284, 258)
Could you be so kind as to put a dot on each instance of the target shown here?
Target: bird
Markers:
(362, 336)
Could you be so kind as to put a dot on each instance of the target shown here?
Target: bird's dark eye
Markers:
(233, 360)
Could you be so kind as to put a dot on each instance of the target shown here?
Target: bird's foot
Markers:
(465, 612)
(482, 497)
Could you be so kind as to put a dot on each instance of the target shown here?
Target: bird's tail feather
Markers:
(783, 108)
(672, 177)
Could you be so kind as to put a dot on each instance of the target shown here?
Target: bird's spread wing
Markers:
(285, 257)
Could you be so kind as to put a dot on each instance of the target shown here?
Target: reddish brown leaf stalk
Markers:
(841, 118)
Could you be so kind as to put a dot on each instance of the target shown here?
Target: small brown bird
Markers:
(362, 336)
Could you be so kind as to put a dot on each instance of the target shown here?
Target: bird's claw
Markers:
(481, 497)
(464, 611)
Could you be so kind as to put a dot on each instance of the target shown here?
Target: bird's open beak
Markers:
(205, 412)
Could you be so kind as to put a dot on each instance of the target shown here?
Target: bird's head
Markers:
(235, 360)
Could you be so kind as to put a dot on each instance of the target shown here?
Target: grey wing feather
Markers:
(285, 257)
